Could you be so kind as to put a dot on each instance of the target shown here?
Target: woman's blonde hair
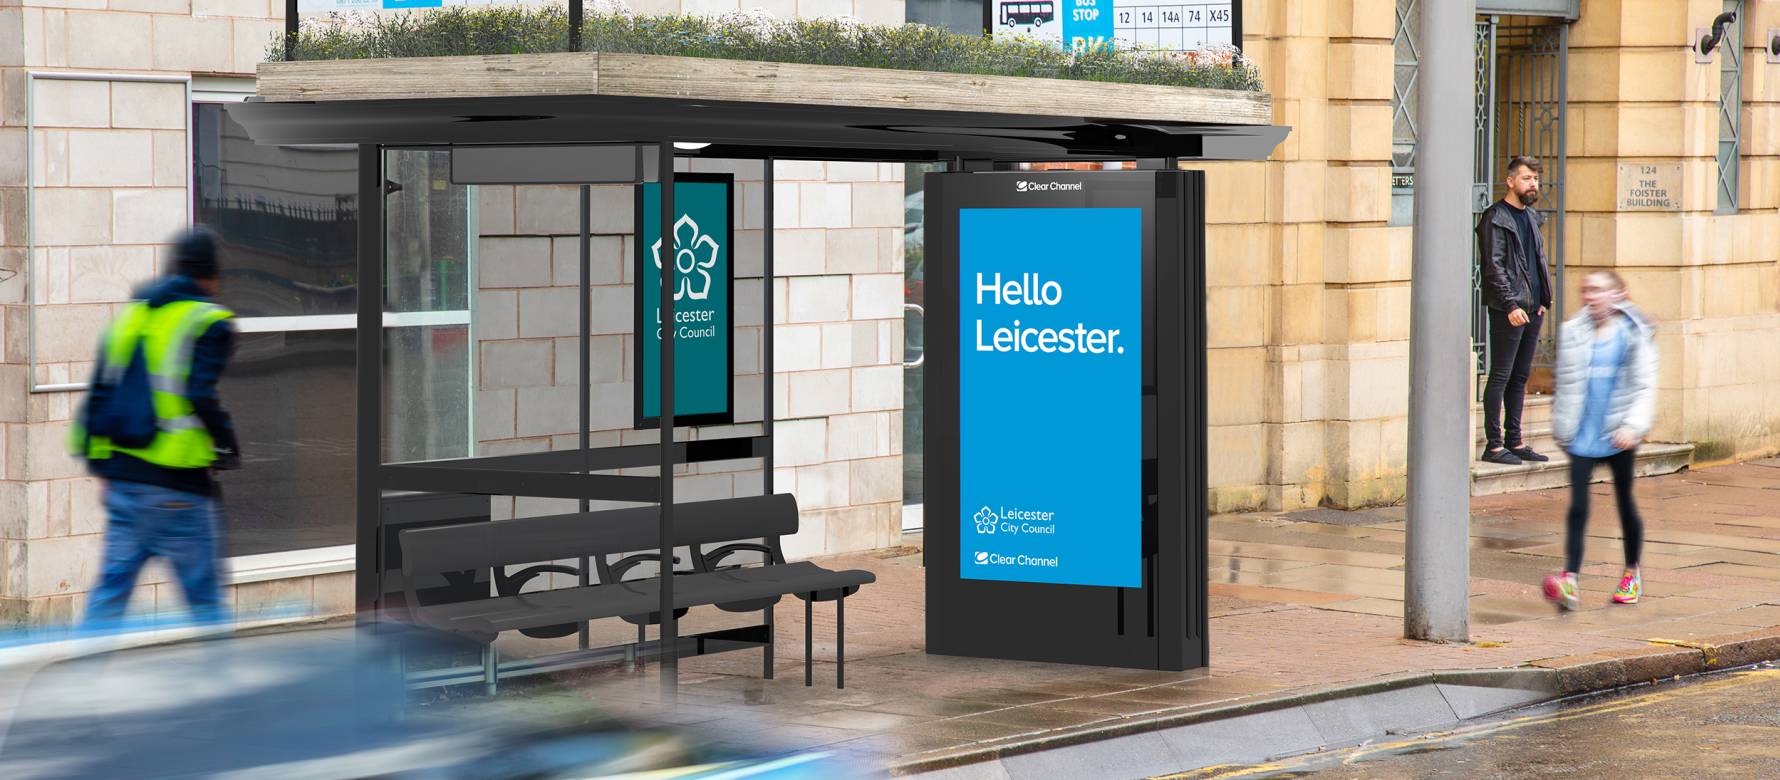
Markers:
(1611, 275)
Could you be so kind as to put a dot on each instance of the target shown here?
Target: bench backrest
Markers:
(593, 534)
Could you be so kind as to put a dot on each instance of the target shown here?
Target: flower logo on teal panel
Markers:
(695, 254)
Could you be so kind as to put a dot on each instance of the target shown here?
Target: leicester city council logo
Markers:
(986, 520)
(695, 254)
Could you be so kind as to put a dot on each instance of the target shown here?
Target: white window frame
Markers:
(308, 562)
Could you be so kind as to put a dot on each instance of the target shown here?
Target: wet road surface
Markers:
(1722, 726)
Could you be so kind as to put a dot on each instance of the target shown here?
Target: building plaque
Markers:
(1649, 187)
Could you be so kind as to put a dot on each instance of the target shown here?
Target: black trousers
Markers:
(1511, 361)
(1631, 526)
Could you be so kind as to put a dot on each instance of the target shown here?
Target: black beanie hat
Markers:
(194, 254)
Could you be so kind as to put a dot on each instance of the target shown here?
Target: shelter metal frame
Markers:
(964, 141)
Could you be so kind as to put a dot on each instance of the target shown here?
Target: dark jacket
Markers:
(210, 353)
(1506, 286)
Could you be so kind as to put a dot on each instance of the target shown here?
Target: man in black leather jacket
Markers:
(1517, 289)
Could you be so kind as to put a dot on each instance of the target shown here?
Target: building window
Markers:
(964, 17)
(1403, 111)
(1730, 108)
(287, 219)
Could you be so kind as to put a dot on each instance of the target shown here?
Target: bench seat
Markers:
(593, 602)
(713, 533)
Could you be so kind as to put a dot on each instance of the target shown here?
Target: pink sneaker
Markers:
(1631, 586)
(1562, 590)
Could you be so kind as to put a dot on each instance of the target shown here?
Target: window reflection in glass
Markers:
(291, 395)
(287, 218)
(427, 241)
(426, 393)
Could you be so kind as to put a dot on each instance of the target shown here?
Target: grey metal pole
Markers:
(670, 628)
(1437, 577)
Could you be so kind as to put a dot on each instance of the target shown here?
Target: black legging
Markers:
(1631, 525)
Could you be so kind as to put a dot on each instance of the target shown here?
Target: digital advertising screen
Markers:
(1050, 395)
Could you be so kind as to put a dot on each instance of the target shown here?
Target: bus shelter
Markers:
(590, 118)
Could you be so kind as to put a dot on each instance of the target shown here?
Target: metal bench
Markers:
(735, 526)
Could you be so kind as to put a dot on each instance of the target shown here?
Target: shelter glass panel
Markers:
(286, 218)
(290, 394)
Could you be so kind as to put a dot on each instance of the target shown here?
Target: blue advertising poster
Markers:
(703, 340)
(1050, 389)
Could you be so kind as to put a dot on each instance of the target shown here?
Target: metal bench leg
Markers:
(840, 641)
(642, 636)
(490, 668)
(767, 663)
(809, 641)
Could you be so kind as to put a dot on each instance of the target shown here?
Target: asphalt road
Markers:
(1719, 726)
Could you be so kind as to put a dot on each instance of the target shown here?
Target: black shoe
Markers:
(1526, 453)
(1503, 457)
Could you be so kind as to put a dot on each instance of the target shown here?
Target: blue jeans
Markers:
(145, 521)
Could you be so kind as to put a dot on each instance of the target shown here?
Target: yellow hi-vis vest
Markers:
(167, 335)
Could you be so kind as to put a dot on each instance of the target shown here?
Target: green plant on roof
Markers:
(752, 35)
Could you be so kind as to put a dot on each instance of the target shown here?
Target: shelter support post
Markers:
(1436, 577)
(586, 378)
(291, 26)
(766, 332)
(577, 9)
(368, 450)
(670, 625)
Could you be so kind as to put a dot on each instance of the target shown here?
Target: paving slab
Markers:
(1301, 607)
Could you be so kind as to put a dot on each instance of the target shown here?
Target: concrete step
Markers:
(1536, 411)
(1489, 479)
(1537, 435)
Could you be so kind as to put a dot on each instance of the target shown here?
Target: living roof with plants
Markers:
(753, 35)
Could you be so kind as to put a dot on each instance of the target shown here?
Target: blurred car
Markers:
(322, 704)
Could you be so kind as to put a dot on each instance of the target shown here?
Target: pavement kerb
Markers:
(991, 750)
(1555, 682)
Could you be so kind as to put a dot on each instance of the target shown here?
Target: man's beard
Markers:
(1528, 198)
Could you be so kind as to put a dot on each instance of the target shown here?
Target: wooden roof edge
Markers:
(692, 78)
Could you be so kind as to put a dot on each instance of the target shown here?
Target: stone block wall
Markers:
(110, 171)
(109, 166)
(1711, 279)
(1309, 284)
(837, 306)
(1308, 297)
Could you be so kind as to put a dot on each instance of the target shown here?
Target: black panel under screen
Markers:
(1161, 625)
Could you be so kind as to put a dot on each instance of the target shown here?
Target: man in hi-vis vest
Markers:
(153, 429)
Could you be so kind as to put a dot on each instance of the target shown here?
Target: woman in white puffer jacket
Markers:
(1604, 402)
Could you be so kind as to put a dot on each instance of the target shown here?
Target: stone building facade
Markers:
(107, 88)
(1309, 269)
(1308, 275)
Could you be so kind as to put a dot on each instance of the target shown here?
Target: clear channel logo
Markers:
(1047, 186)
(986, 558)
